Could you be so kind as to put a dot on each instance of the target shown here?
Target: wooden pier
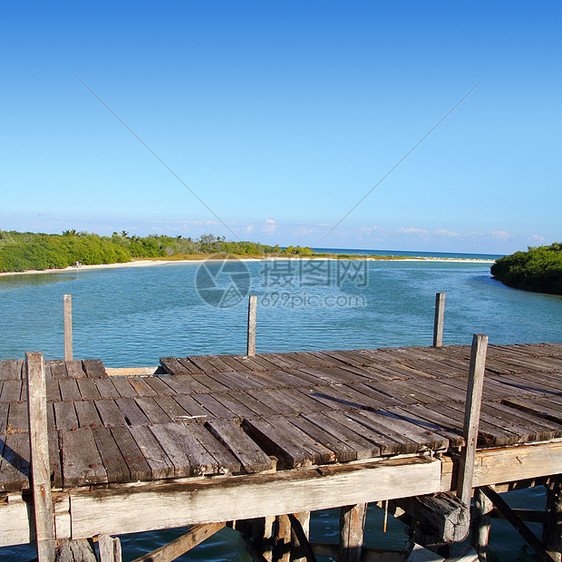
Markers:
(254, 439)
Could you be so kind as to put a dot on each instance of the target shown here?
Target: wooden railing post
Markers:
(40, 473)
(252, 317)
(481, 515)
(438, 320)
(472, 416)
(68, 327)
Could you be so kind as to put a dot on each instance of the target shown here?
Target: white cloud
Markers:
(447, 232)
(412, 230)
(269, 226)
(538, 237)
(501, 234)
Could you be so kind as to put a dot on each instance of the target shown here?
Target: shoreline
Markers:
(151, 263)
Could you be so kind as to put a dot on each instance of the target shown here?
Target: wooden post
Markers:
(352, 523)
(40, 474)
(521, 528)
(68, 327)
(438, 321)
(282, 546)
(252, 316)
(472, 416)
(300, 524)
(552, 530)
(481, 515)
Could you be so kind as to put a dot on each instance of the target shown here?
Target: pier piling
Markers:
(252, 318)
(67, 300)
(439, 318)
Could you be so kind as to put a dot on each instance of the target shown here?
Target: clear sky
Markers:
(281, 116)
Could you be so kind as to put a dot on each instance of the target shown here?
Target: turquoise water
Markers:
(134, 316)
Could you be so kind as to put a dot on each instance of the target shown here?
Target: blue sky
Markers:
(281, 116)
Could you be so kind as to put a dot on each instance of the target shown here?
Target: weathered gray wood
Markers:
(523, 530)
(439, 518)
(552, 530)
(481, 513)
(75, 551)
(472, 416)
(67, 300)
(109, 549)
(179, 546)
(438, 321)
(40, 473)
(252, 317)
(352, 524)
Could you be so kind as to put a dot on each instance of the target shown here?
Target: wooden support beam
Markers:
(438, 518)
(521, 528)
(67, 300)
(40, 473)
(352, 524)
(109, 549)
(472, 416)
(300, 533)
(252, 319)
(179, 546)
(552, 530)
(282, 539)
(481, 513)
(439, 319)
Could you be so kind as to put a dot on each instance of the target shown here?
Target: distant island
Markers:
(29, 252)
(22, 251)
(537, 269)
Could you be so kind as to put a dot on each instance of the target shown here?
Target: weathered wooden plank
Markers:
(213, 406)
(115, 465)
(11, 369)
(110, 413)
(67, 321)
(131, 411)
(537, 406)
(57, 369)
(87, 414)
(40, 470)
(238, 408)
(74, 369)
(69, 389)
(65, 416)
(137, 464)
(252, 458)
(124, 387)
(344, 452)
(194, 409)
(11, 391)
(14, 470)
(4, 408)
(81, 462)
(277, 436)
(160, 465)
(87, 388)
(142, 388)
(363, 447)
(152, 410)
(106, 388)
(18, 420)
(227, 463)
(180, 444)
(93, 368)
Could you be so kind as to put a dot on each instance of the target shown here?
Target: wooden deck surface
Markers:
(218, 414)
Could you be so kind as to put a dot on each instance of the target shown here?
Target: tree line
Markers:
(538, 269)
(20, 251)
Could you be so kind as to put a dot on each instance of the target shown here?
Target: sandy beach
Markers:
(153, 263)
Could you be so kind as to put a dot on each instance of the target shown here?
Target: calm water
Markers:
(134, 316)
